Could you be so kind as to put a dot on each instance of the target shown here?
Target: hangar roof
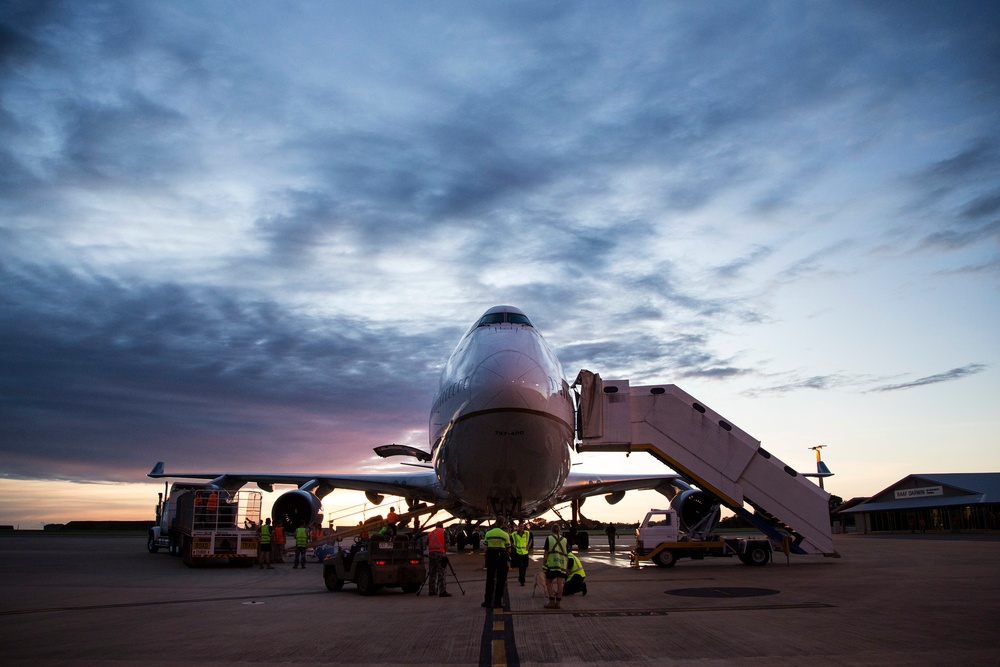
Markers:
(973, 488)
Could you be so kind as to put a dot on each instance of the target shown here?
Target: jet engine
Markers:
(697, 511)
(296, 508)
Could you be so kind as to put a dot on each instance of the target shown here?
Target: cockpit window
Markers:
(503, 318)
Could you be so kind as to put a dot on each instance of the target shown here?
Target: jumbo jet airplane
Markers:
(501, 434)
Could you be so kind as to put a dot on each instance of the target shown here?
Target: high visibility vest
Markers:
(574, 567)
(557, 550)
(436, 541)
(497, 538)
(301, 536)
(265, 534)
(520, 542)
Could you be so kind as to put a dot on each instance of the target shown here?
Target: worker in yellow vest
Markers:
(520, 538)
(301, 542)
(497, 563)
(556, 559)
(575, 576)
(264, 550)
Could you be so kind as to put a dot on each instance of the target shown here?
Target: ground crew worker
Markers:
(497, 563)
(612, 533)
(212, 510)
(555, 558)
(519, 558)
(278, 543)
(199, 511)
(264, 549)
(391, 518)
(301, 541)
(575, 576)
(437, 549)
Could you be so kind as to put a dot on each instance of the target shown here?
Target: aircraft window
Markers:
(501, 318)
(517, 318)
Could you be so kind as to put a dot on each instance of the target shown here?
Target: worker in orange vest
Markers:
(212, 510)
(437, 548)
(278, 548)
(391, 518)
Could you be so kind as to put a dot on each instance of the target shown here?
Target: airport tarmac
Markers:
(81, 600)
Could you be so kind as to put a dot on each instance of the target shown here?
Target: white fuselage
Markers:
(501, 426)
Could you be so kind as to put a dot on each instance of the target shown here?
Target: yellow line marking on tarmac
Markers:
(497, 626)
(499, 653)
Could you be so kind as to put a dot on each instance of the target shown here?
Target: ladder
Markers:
(711, 452)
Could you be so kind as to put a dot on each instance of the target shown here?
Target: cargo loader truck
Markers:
(203, 523)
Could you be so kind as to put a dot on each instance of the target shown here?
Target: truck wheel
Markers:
(186, 551)
(151, 545)
(665, 558)
(583, 541)
(366, 583)
(331, 580)
(756, 555)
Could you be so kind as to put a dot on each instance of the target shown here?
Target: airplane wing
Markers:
(582, 485)
(420, 486)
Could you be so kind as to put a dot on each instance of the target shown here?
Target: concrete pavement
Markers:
(889, 601)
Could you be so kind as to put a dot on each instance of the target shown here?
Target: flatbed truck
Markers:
(202, 523)
(660, 540)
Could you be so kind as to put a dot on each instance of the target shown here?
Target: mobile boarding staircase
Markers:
(709, 452)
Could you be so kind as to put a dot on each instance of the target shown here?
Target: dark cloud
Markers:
(131, 141)
(859, 382)
(636, 355)
(102, 375)
(821, 382)
(562, 158)
(734, 269)
(947, 376)
(958, 199)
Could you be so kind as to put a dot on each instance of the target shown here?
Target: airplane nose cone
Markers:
(510, 379)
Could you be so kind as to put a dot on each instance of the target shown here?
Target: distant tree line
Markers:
(85, 526)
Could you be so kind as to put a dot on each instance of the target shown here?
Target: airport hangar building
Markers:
(947, 502)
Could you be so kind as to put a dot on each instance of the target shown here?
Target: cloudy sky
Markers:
(246, 236)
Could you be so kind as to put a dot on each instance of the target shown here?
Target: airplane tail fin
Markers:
(821, 471)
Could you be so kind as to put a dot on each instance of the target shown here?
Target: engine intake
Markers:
(296, 508)
(697, 511)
